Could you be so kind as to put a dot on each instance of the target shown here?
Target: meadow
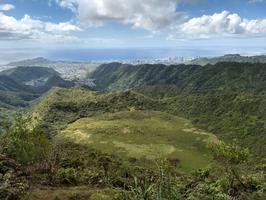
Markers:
(146, 135)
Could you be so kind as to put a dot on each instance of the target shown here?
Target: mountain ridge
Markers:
(229, 58)
(20, 85)
(223, 76)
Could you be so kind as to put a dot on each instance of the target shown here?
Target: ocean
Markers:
(119, 54)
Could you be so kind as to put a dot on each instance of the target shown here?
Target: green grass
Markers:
(143, 135)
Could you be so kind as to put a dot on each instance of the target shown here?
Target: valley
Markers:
(21, 85)
(137, 130)
(142, 134)
(69, 70)
(132, 100)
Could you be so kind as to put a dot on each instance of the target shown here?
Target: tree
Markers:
(230, 157)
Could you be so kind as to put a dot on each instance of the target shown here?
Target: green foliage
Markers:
(228, 115)
(229, 178)
(230, 158)
(222, 77)
(25, 144)
(67, 175)
(221, 182)
(231, 154)
(226, 98)
(63, 106)
(13, 184)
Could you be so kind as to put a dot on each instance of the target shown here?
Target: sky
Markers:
(30, 28)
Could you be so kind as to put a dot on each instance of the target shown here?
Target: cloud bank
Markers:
(224, 24)
(150, 15)
(6, 7)
(162, 15)
(156, 16)
(29, 28)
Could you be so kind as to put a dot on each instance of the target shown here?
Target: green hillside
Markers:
(62, 106)
(9, 84)
(27, 74)
(230, 116)
(149, 132)
(126, 144)
(237, 77)
(36, 79)
(226, 98)
(230, 58)
(20, 85)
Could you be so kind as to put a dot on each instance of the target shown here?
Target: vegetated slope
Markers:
(15, 94)
(9, 84)
(20, 85)
(143, 135)
(227, 99)
(36, 79)
(62, 106)
(27, 74)
(70, 70)
(238, 77)
(121, 123)
(230, 115)
(230, 58)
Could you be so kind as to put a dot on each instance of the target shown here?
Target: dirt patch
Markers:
(189, 130)
(125, 130)
(78, 136)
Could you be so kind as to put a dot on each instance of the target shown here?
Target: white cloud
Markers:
(6, 7)
(63, 26)
(29, 28)
(151, 15)
(70, 4)
(221, 25)
(255, 1)
(162, 16)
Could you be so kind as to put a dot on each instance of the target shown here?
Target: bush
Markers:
(67, 176)
(25, 144)
(12, 184)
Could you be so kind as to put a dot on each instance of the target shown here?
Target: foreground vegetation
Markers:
(32, 162)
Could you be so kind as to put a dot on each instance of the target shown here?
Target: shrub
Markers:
(67, 176)
(25, 144)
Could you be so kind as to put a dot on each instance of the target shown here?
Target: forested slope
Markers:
(238, 77)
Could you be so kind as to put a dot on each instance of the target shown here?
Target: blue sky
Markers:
(35, 27)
